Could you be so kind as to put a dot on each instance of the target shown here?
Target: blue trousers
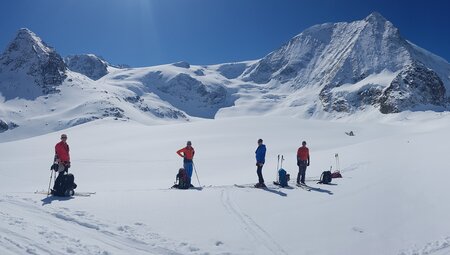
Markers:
(188, 168)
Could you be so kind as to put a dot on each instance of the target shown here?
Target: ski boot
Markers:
(260, 185)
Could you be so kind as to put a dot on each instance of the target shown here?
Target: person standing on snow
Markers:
(260, 160)
(62, 159)
(302, 162)
(187, 153)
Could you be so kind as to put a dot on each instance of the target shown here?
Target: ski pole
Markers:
(278, 164)
(338, 167)
(339, 164)
(195, 170)
(50, 183)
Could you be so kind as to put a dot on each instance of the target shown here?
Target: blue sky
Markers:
(151, 32)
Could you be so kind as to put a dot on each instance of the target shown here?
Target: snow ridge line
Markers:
(261, 237)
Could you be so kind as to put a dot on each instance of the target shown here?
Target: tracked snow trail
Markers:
(64, 231)
(261, 237)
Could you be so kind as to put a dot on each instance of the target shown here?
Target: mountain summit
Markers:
(29, 68)
(322, 54)
(339, 55)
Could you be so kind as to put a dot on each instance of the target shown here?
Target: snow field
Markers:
(390, 200)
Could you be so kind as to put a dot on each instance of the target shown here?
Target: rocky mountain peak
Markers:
(28, 58)
(375, 17)
(26, 45)
(335, 53)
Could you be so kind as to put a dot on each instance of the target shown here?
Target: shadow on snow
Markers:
(50, 199)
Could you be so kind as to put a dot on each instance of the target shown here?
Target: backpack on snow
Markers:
(283, 178)
(183, 180)
(336, 174)
(64, 185)
(325, 178)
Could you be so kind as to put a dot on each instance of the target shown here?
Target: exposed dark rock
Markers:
(233, 70)
(113, 112)
(415, 85)
(7, 126)
(182, 64)
(199, 72)
(3, 126)
(90, 65)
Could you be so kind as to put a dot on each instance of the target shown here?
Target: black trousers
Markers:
(58, 182)
(259, 172)
(301, 173)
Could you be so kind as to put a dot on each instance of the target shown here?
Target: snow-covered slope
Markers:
(91, 89)
(392, 199)
(329, 71)
(82, 100)
(196, 90)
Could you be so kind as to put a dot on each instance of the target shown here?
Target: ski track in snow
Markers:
(262, 238)
(29, 228)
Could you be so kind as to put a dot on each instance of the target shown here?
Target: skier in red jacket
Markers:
(302, 162)
(187, 153)
(62, 159)
(62, 156)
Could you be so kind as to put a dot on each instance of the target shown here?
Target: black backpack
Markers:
(64, 186)
(325, 178)
(183, 179)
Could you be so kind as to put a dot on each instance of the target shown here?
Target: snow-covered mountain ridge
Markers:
(331, 70)
(336, 55)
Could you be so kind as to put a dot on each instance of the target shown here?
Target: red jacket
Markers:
(188, 153)
(303, 153)
(62, 151)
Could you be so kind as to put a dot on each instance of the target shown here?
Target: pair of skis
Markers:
(304, 186)
(300, 186)
(76, 194)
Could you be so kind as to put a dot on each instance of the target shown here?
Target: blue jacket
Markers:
(261, 154)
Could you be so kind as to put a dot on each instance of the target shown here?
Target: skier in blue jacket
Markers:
(260, 160)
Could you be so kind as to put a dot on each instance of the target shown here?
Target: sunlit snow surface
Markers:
(390, 201)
